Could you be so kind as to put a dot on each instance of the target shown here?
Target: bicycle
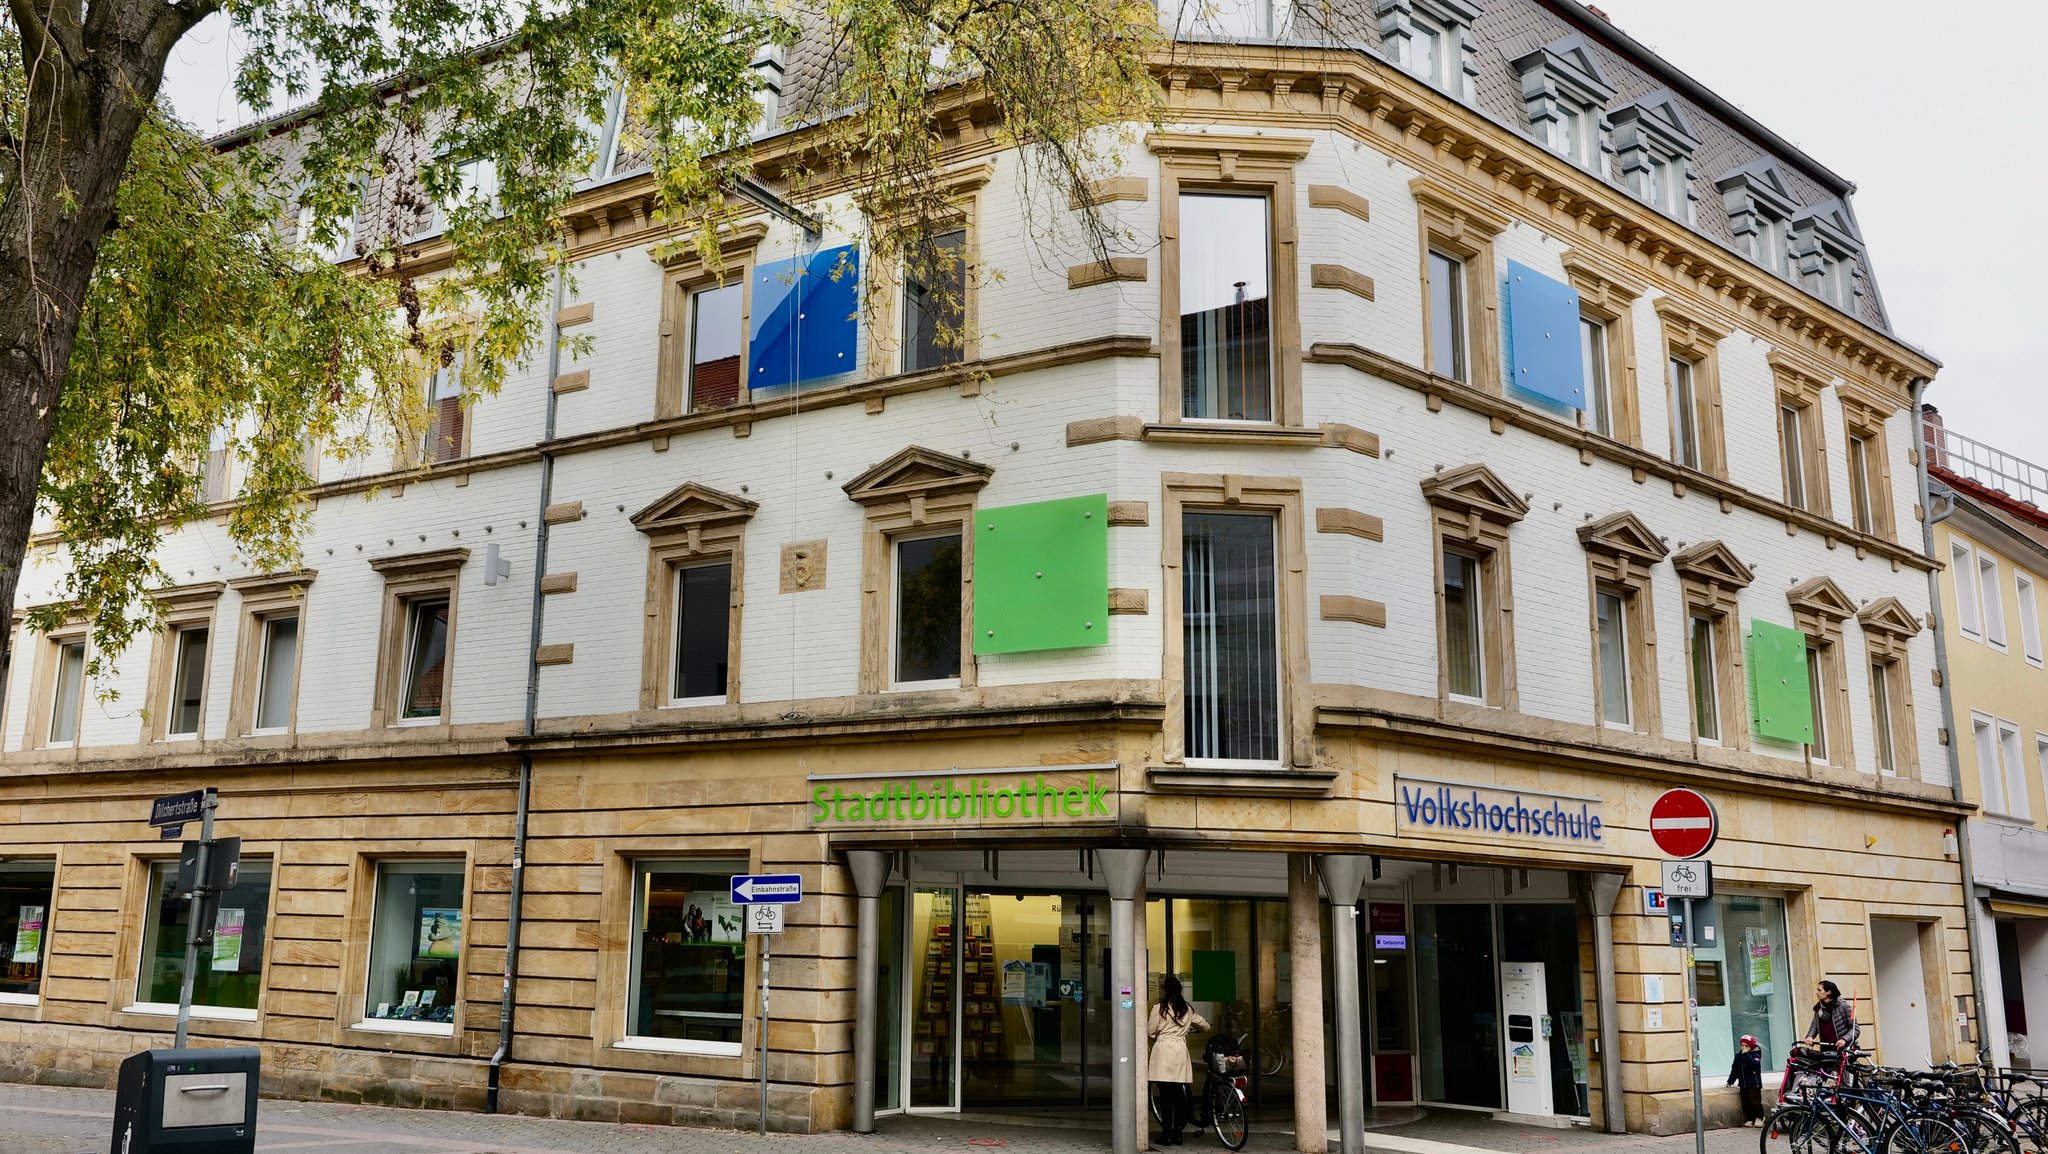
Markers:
(1894, 1112)
(1223, 1096)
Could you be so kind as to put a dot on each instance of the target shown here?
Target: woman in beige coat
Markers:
(1171, 1022)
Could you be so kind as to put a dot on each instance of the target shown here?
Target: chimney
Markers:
(1597, 12)
(1933, 436)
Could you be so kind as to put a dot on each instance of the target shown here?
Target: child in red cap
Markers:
(1748, 1073)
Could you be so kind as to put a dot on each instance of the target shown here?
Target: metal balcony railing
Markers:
(1973, 460)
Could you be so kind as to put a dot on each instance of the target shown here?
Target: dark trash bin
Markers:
(187, 1100)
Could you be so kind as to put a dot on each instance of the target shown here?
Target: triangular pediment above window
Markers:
(1889, 615)
(1830, 219)
(1713, 561)
(1568, 62)
(1475, 489)
(917, 471)
(691, 504)
(1658, 115)
(1822, 597)
(1623, 535)
(1763, 182)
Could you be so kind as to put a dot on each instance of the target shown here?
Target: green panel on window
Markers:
(1215, 976)
(1780, 696)
(1041, 576)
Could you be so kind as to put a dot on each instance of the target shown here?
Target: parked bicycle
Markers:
(1836, 1102)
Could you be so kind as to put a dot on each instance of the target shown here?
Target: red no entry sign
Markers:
(1682, 823)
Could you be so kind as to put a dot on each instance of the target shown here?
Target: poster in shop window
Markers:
(227, 939)
(1016, 982)
(1756, 945)
(28, 935)
(440, 933)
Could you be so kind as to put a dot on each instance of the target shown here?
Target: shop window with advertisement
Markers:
(229, 978)
(1744, 983)
(689, 961)
(415, 947)
(26, 889)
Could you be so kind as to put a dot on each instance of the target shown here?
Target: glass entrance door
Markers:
(1455, 978)
(933, 1014)
(1026, 1020)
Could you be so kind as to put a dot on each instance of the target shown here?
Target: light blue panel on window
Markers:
(1543, 338)
(804, 324)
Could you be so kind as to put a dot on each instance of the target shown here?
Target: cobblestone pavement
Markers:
(54, 1120)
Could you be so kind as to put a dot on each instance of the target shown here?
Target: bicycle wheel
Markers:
(1923, 1134)
(1793, 1128)
(2031, 1117)
(1272, 1060)
(1232, 1127)
(1989, 1131)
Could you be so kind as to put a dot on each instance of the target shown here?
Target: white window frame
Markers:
(1991, 587)
(1862, 486)
(402, 1025)
(1712, 685)
(675, 638)
(1792, 447)
(1457, 316)
(1599, 390)
(1685, 416)
(413, 606)
(1969, 609)
(176, 670)
(896, 543)
(58, 647)
(1626, 722)
(1279, 655)
(639, 869)
(2030, 616)
(263, 668)
(1990, 776)
(1883, 723)
(1476, 591)
(1820, 750)
(1440, 65)
(2018, 805)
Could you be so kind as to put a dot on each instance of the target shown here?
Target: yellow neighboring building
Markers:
(1991, 530)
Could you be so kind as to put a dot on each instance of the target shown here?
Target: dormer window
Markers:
(1825, 248)
(1433, 40)
(1653, 146)
(1760, 207)
(1565, 94)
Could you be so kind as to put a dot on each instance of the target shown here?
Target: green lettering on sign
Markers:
(946, 800)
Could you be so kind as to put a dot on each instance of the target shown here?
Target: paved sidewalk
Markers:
(56, 1120)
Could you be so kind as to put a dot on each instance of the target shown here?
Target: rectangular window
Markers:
(686, 978)
(2030, 618)
(928, 594)
(935, 302)
(1993, 592)
(1447, 316)
(1746, 983)
(26, 892)
(1464, 659)
(1593, 360)
(715, 339)
(1990, 775)
(1792, 449)
(2015, 770)
(188, 683)
(1685, 433)
(277, 673)
(1226, 324)
(229, 978)
(1611, 613)
(1230, 620)
(416, 936)
(1426, 47)
(1861, 509)
(445, 416)
(213, 471)
(68, 691)
(426, 658)
(704, 633)
(1817, 689)
(1706, 685)
(1881, 716)
(1968, 609)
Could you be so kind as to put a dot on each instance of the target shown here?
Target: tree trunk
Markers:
(89, 88)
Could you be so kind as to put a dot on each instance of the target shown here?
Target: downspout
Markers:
(1928, 520)
(540, 568)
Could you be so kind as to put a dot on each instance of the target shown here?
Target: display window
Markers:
(688, 971)
(416, 939)
(229, 978)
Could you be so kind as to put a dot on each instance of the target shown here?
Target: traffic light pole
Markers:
(198, 903)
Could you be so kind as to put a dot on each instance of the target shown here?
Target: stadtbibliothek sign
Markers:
(965, 798)
(1427, 807)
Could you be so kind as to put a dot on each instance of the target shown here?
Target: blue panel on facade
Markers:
(1543, 337)
(804, 327)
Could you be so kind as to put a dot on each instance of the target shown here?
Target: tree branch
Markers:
(38, 38)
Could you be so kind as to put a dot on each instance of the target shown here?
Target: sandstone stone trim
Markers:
(1340, 198)
(1116, 268)
(558, 583)
(1351, 521)
(574, 382)
(1097, 429)
(1132, 601)
(1107, 191)
(1336, 276)
(563, 512)
(1129, 513)
(1338, 607)
(558, 654)
(1353, 438)
(803, 566)
(576, 314)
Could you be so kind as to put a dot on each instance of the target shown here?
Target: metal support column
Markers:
(1123, 870)
(1343, 878)
(870, 870)
(1602, 890)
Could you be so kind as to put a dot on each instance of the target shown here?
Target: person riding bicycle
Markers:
(1169, 1025)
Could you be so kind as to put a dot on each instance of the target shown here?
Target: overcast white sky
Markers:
(1944, 150)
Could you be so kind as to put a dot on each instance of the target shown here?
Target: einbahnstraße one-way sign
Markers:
(767, 889)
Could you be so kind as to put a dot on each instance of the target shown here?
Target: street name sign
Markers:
(177, 809)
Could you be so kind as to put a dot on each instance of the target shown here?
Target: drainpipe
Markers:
(540, 568)
(1948, 714)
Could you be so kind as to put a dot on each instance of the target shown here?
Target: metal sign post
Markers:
(1692, 1029)
(198, 906)
(763, 896)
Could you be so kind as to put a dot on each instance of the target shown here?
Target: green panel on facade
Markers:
(1214, 975)
(1041, 576)
(1779, 691)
